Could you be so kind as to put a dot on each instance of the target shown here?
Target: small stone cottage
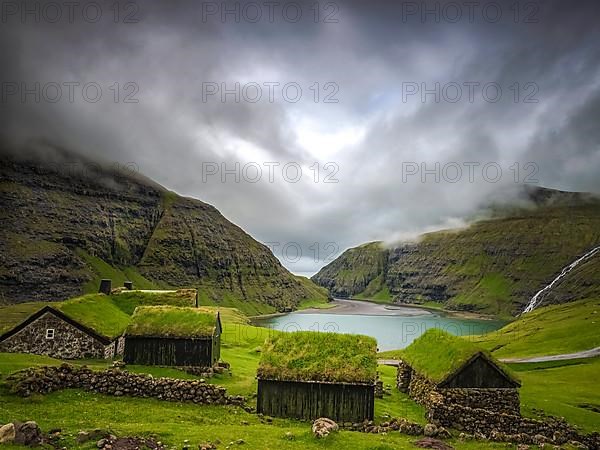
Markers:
(307, 375)
(173, 336)
(64, 332)
(455, 380)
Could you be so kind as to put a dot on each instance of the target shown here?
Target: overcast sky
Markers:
(518, 101)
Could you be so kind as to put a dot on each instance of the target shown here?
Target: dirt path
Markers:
(583, 354)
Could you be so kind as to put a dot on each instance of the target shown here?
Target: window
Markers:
(50, 333)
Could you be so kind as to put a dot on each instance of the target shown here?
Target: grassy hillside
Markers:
(550, 330)
(61, 234)
(494, 266)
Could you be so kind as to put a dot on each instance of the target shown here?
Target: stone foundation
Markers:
(44, 380)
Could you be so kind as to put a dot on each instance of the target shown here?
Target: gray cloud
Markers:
(370, 133)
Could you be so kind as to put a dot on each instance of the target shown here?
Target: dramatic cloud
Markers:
(384, 153)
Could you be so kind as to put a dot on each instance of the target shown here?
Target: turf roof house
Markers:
(173, 336)
(307, 375)
(455, 379)
(75, 329)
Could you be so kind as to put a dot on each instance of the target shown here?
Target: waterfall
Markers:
(535, 300)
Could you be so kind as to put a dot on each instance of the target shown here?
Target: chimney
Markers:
(105, 287)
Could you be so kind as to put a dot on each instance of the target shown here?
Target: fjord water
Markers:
(393, 326)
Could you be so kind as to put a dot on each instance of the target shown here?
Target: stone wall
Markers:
(43, 380)
(421, 389)
(69, 342)
(403, 376)
(508, 427)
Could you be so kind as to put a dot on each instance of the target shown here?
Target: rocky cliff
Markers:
(62, 230)
(493, 266)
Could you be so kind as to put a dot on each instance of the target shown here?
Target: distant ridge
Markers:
(493, 266)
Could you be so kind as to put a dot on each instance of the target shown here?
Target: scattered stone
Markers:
(429, 442)
(28, 433)
(442, 433)
(430, 430)
(129, 443)
(7, 433)
(207, 446)
(323, 426)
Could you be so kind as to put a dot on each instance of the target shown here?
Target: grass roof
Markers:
(96, 311)
(171, 321)
(314, 356)
(129, 300)
(438, 354)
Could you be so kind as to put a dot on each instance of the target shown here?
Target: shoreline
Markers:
(341, 309)
(454, 313)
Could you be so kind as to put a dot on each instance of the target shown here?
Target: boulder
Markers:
(323, 426)
(28, 433)
(7, 433)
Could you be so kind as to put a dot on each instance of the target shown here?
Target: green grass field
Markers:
(562, 388)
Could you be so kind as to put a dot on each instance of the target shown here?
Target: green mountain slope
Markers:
(549, 330)
(494, 266)
(61, 233)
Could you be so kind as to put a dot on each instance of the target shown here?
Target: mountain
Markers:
(65, 225)
(493, 266)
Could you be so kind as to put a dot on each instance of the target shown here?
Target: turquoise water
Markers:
(394, 327)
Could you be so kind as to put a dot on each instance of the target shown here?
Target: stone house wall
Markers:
(495, 400)
(425, 392)
(69, 342)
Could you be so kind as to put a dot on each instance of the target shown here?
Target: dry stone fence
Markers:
(47, 379)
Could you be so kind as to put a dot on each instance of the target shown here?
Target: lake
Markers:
(393, 326)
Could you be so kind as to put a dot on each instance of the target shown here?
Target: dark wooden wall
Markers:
(169, 352)
(480, 373)
(216, 348)
(309, 401)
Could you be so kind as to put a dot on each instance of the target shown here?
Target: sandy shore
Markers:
(364, 308)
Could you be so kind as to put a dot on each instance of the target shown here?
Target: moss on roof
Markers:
(314, 356)
(437, 354)
(96, 311)
(171, 321)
